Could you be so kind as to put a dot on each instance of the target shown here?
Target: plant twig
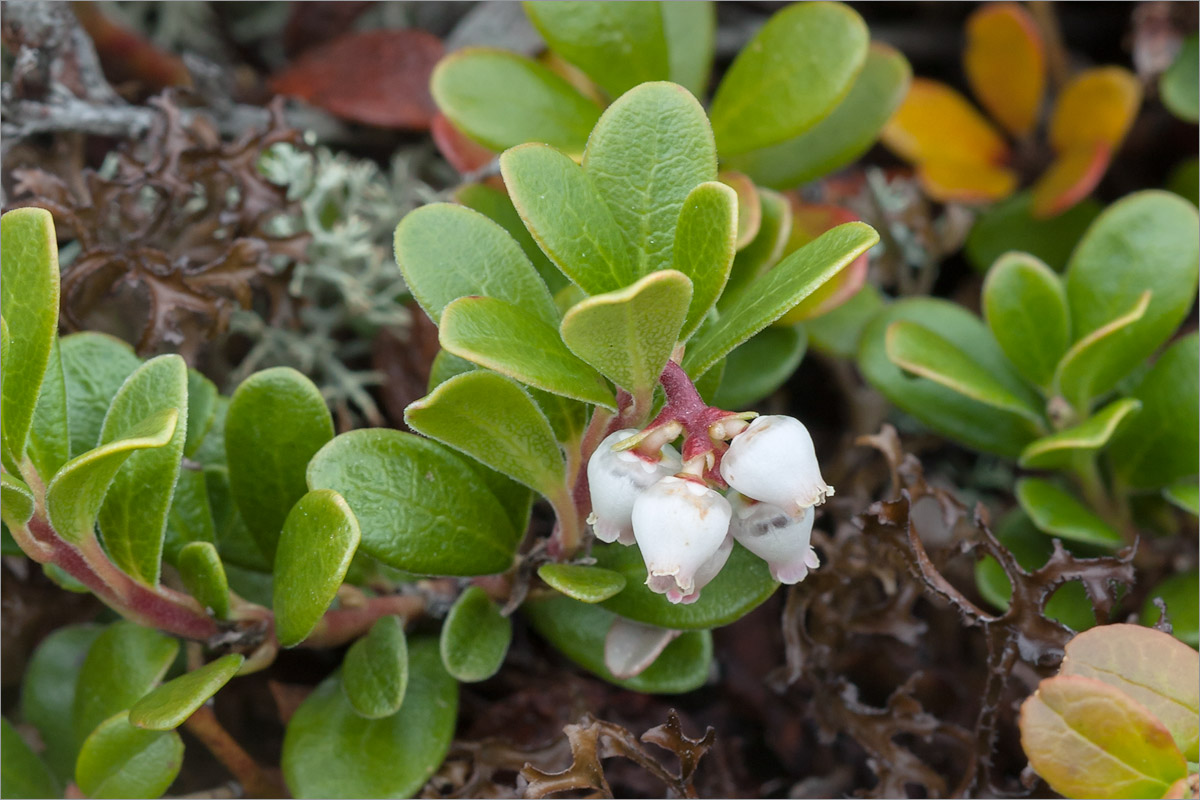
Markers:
(255, 781)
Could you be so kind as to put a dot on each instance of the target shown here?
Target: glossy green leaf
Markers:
(768, 298)
(567, 417)
(1085, 370)
(585, 584)
(29, 305)
(922, 352)
(1184, 180)
(1089, 739)
(276, 421)
(318, 540)
(48, 693)
(235, 543)
(133, 518)
(690, 27)
(568, 217)
(839, 332)
(119, 760)
(616, 44)
(1150, 666)
(421, 507)
(492, 419)
(169, 706)
(1179, 86)
(17, 500)
(1181, 593)
(49, 445)
(501, 100)
(1161, 445)
(75, 496)
(190, 518)
(1025, 306)
(1058, 513)
(22, 773)
(203, 576)
(122, 665)
(841, 137)
(95, 367)
(628, 335)
(789, 77)
(765, 250)
(447, 251)
(945, 410)
(742, 585)
(578, 630)
(1185, 495)
(202, 405)
(1147, 241)
(375, 670)
(329, 750)
(649, 150)
(760, 366)
(505, 338)
(1059, 449)
(705, 244)
(1009, 225)
(475, 637)
(498, 207)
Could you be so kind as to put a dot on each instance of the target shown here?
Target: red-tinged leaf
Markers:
(749, 210)
(810, 220)
(463, 153)
(375, 77)
(316, 22)
(1005, 62)
(966, 182)
(127, 56)
(1098, 105)
(1069, 179)
(936, 122)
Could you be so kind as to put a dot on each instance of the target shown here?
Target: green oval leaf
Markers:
(628, 335)
(22, 773)
(446, 252)
(649, 150)
(568, 217)
(318, 541)
(169, 706)
(1010, 225)
(190, 518)
(760, 366)
(578, 630)
(501, 100)
(203, 576)
(1145, 242)
(49, 445)
(757, 256)
(1179, 86)
(1181, 593)
(1161, 445)
(122, 665)
(133, 518)
(841, 137)
(16, 500)
(475, 637)
(1058, 513)
(1059, 449)
(95, 367)
(1084, 370)
(202, 406)
(331, 751)
(48, 693)
(504, 338)
(585, 584)
(768, 298)
(276, 421)
(743, 584)
(705, 245)
(945, 410)
(1025, 306)
(119, 760)
(789, 77)
(690, 27)
(375, 671)
(1185, 495)
(421, 507)
(498, 207)
(29, 305)
(493, 420)
(839, 331)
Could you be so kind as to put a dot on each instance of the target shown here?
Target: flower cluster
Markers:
(643, 491)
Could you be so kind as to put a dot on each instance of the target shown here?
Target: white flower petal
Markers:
(773, 461)
(775, 536)
(630, 647)
(679, 524)
(616, 479)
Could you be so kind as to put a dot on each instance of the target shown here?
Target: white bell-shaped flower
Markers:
(615, 480)
(709, 570)
(773, 461)
(779, 538)
(679, 524)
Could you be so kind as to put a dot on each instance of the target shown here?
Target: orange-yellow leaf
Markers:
(810, 220)
(1069, 179)
(936, 122)
(966, 182)
(749, 207)
(1006, 64)
(1098, 105)
(1089, 739)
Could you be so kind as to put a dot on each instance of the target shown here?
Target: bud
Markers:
(680, 524)
(773, 461)
(709, 570)
(615, 480)
(780, 539)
